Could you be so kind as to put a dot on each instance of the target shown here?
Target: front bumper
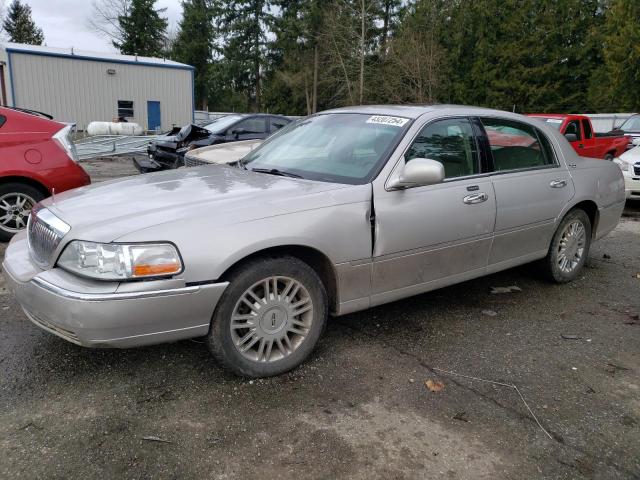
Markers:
(632, 186)
(94, 314)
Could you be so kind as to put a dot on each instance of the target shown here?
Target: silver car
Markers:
(336, 213)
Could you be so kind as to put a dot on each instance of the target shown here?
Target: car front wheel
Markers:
(16, 202)
(270, 317)
(569, 247)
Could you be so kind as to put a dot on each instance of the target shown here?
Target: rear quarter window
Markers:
(3, 119)
(547, 149)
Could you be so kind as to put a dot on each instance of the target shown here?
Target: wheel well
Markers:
(27, 181)
(312, 257)
(591, 209)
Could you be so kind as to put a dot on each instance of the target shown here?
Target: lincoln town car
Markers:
(337, 212)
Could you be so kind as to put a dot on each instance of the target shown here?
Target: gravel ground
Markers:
(359, 408)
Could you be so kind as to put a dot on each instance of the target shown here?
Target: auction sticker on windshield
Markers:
(386, 120)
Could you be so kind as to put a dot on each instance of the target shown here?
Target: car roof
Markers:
(415, 111)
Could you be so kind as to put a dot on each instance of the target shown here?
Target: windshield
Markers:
(552, 122)
(222, 124)
(339, 147)
(631, 125)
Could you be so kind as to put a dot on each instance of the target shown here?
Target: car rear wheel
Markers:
(16, 202)
(569, 247)
(270, 317)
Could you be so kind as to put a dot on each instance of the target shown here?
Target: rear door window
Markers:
(514, 145)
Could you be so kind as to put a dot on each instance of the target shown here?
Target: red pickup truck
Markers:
(579, 132)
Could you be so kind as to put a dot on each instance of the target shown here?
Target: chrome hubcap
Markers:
(571, 247)
(272, 319)
(15, 209)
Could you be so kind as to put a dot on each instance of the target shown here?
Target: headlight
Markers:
(624, 166)
(116, 261)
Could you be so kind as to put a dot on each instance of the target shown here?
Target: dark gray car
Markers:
(339, 212)
(168, 151)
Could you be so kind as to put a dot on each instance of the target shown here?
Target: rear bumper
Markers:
(608, 219)
(106, 318)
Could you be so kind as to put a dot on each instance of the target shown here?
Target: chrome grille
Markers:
(193, 162)
(45, 231)
(636, 169)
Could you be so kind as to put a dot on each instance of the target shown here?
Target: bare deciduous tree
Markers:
(413, 68)
(104, 18)
(347, 36)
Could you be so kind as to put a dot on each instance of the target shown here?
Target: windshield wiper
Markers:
(275, 171)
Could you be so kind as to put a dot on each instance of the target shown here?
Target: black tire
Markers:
(609, 156)
(220, 338)
(551, 263)
(7, 190)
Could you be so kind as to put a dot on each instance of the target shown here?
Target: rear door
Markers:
(432, 233)
(531, 186)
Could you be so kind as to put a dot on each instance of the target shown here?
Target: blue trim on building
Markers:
(98, 59)
(193, 95)
(13, 92)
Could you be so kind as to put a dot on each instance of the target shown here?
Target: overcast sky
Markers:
(64, 22)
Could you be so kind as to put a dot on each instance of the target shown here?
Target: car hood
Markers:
(631, 156)
(104, 212)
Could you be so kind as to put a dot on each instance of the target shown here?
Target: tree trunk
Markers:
(385, 27)
(316, 63)
(256, 67)
(362, 35)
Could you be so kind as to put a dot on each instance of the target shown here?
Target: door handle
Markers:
(581, 145)
(475, 198)
(558, 183)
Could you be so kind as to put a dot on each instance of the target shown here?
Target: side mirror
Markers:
(418, 172)
(572, 137)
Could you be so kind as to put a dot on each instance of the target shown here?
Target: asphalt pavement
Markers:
(402, 391)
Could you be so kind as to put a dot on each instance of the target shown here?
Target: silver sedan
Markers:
(338, 212)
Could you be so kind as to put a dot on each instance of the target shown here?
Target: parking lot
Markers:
(360, 406)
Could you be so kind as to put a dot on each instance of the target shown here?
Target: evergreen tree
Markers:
(20, 26)
(615, 85)
(194, 44)
(143, 30)
(244, 24)
(291, 84)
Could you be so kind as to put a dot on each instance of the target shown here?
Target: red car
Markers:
(579, 132)
(38, 157)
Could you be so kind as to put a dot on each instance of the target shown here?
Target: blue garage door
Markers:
(153, 115)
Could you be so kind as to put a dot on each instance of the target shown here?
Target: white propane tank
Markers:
(114, 128)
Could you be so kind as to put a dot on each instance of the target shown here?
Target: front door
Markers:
(438, 233)
(531, 187)
(591, 148)
(154, 121)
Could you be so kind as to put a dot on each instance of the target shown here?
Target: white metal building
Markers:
(81, 87)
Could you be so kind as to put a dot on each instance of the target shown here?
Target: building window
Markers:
(125, 109)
